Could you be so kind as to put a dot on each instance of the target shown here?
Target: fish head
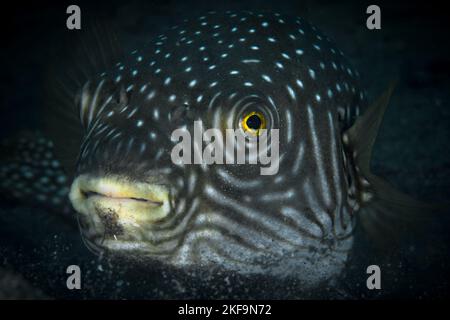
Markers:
(278, 85)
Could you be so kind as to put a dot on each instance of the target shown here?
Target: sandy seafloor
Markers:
(411, 152)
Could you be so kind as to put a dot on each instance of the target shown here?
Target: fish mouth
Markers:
(115, 211)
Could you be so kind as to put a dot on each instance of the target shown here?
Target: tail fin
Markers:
(386, 214)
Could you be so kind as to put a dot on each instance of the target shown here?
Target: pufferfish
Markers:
(243, 71)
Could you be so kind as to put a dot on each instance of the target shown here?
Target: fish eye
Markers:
(253, 123)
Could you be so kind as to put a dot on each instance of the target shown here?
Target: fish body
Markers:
(218, 70)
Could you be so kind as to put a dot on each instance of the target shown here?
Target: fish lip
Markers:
(117, 203)
(117, 187)
(94, 194)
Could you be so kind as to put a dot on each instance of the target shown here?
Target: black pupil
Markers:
(254, 122)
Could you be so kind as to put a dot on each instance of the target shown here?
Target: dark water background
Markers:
(411, 152)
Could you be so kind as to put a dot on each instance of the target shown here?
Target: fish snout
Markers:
(117, 208)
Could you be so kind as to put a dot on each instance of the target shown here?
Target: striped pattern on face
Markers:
(215, 69)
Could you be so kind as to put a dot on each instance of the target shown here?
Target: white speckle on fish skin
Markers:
(192, 83)
(270, 39)
(312, 74)
(132, 113)
(167, 81)
(299, 52)
(124, 109)
(188, 69)
(251, 61)
(234, 72)
(139, 123)
(151, 95)
(265, 24)
(299, 83)
(284, 55)
(318, 98)
(266, 78)
(143, 147)
(156, 114)
(291, 92)
(172, 98)
(330, 93)
(143, 88)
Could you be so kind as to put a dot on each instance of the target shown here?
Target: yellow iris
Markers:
(253, 123)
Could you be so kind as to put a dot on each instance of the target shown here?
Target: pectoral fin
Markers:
(385, 213)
